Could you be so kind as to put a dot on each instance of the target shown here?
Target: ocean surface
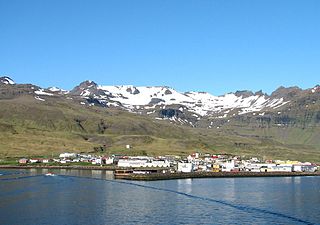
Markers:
(94, 197)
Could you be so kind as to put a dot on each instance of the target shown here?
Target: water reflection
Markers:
(184, 185)
(100, 174)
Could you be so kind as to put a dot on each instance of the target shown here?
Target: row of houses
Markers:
(143, 161)
(70, 158)
(227, 163)
(120, 161)
(194, 162)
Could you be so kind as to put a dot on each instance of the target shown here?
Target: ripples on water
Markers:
(93, 197)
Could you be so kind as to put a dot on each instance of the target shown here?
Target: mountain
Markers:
(155, 120)
(6, 80)
(147, 99)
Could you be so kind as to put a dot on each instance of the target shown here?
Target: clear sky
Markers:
(216, 46)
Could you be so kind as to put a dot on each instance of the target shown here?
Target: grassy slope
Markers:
(291, 142)
(32, 128)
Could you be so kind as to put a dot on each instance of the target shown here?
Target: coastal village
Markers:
(195, 162)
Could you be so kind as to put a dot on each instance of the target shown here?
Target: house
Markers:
(67, 155)
(97, 161)
(35, 160)
(23, 161)
(185, 167)
(259, 167)
(265, 169)
(304, 168)
(282, 168)
(132, 162)
(228, 166)
(202, 168)
(215, 168)
(159, 163)
(45, 160)
(107, 161)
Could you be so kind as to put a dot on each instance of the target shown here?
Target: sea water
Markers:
(94, 197)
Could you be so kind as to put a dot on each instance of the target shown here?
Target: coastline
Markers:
(167, 176)
(171, 176)
(110, 168)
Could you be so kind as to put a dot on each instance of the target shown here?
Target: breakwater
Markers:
(168, 176)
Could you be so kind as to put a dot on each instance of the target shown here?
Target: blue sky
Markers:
(208, 45)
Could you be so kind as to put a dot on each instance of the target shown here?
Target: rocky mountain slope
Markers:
(286, 123)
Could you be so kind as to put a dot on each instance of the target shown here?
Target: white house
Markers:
(34, 160)
(159, 163)
(132, 162)
(67, 155)
(228, 166)
(304, 168)
(259, 167)
(96, 161)
(185, 167)
(282, 168)
(45, 160)
(108, 161)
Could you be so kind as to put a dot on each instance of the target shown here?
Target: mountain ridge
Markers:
(151, 99)
(160, 119)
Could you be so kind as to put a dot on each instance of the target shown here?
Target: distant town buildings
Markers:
(192, 163)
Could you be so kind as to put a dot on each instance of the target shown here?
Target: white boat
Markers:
(50, 174)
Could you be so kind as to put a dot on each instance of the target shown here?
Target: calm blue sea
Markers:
(94, 197)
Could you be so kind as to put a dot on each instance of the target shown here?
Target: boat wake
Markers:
(19, 178)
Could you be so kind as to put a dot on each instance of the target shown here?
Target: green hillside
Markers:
(29, 127)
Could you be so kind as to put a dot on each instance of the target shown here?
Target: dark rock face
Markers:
(133, 91)
(167, 92)
(155, 101)
(89, 86)
(96, 102)
(136, 91)
(169, 113)
(286, 93)
(129, 90)
(244, 93)
(260, 93)
(86, 85)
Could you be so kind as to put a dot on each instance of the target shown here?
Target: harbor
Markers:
(152, 176)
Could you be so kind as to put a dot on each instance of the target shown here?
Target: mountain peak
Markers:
(6, 80)
(88, 83)
(84, 88)
(260, 93)
(244, 93)
(289, 92)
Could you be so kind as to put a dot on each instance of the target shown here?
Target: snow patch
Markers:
(39, 99)
(42, 92)
(85, 93)
(200, 103)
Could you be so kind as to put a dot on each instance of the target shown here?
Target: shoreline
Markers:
(109, 168)
(172, 176)
(168, 176)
